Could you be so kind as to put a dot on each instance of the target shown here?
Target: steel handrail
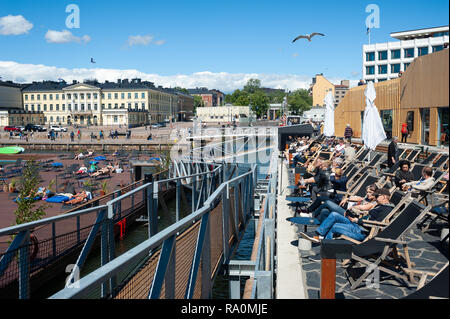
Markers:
(114, 266)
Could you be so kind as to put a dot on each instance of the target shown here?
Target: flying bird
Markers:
(308, 36)
(92, 60)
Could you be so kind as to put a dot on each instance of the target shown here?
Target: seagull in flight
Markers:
(92, 60)
(308, 36)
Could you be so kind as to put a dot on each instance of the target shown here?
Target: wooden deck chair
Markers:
(389, 174)
(439, 212)
(359, 189)
(430, 159)
(416, 170)
(437, 288)
(399, 200)
(440, 162)
(348, 169)
(360, 158)
(382, 249)
(428, 196)
(412, 156)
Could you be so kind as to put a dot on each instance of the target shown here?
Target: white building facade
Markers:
(384, 61)
(225, 114)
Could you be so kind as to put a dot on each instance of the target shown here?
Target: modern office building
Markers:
(340, 90)
(384, 61)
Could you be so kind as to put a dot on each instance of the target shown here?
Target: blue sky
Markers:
(232, 37)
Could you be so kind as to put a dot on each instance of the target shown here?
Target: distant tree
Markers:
(243, 99)
(28, 186)
(252, 86)
(276, 97)
(299, 101)
(259, 102)
(198, 102)
(182, 90)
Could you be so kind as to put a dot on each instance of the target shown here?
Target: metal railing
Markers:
(260, 268)
(52, 241)
(220, 207)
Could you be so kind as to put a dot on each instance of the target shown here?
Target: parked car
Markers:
(58, 128)
(156, 125)
(31, 128)
(11, 129)
(21, 128)
(41, 128)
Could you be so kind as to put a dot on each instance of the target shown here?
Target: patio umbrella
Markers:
(373, 130)
(328, 127)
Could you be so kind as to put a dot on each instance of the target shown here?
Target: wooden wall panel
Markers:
(425, 84)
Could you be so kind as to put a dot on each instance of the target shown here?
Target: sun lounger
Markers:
(381, 250)
(437, 288)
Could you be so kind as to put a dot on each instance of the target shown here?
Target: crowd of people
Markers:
(321, 163)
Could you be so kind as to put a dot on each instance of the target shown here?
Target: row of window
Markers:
(82, 107)
(383, 69)
(82, 96)
(396, 54)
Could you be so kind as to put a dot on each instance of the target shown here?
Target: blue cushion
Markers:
(58, 199)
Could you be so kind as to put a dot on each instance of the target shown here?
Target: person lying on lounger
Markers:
(82, 170)
(80, 156)
(78, 198)
(103, 171)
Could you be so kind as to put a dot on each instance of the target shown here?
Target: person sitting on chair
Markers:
(359, 205)
(352, 226)
(403, 175)
(424, 184)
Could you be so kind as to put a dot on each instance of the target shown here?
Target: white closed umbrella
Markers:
(328, 127)
(373, 130)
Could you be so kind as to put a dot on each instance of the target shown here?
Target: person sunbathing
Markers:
(103, 171)
(90, 153)
(80, 156)
(81, 170)
(78, 198)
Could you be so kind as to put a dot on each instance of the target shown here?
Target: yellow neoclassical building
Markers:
(129, 103)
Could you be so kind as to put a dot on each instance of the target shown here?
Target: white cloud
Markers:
(160, 42)
(139, 40)
(64, 36)
(224, 81)
(14, 25)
